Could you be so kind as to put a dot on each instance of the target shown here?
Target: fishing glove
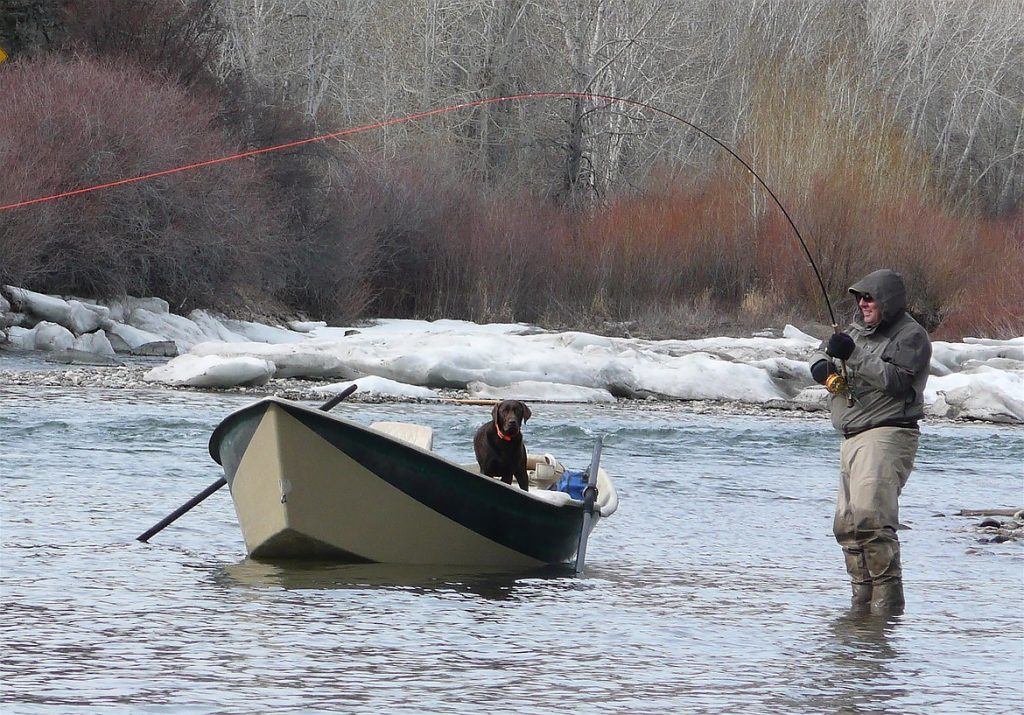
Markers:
(821, 370)
(840, 346)
(825, 372)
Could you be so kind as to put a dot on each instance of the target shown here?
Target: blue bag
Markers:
(572, 483)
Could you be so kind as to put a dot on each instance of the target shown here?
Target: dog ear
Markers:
(494, 412)
(526, 412)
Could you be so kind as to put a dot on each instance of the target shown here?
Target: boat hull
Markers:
(308, 484)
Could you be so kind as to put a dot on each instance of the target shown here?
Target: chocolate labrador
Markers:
(499, 447)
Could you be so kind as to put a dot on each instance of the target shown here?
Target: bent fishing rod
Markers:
(454, 108)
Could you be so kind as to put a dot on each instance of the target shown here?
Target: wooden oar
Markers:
(589, 498)
(191, 503)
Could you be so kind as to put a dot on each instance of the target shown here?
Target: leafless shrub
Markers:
(177, 40)
(30, 28)
(81, 123)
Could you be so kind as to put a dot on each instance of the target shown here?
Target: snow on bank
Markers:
(976, 379)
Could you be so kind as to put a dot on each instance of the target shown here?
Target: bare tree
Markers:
(798, 86)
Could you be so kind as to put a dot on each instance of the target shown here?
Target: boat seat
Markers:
(416, 435)
(543, 470)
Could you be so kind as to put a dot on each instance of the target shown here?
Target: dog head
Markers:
(509, 416)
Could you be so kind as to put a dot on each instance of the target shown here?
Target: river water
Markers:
(716, 587)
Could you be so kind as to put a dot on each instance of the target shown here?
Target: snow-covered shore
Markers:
(136, 342)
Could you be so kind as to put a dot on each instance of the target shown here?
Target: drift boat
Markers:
(307, 484)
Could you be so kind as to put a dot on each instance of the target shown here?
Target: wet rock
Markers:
(1001, 530)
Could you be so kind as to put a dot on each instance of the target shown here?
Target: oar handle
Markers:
(173, 516)
(145, 536)
(330, 404)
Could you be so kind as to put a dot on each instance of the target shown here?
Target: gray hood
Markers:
(887, 288)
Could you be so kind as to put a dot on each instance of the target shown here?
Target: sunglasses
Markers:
(865, 297)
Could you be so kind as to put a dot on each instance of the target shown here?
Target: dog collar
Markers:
(502, 435)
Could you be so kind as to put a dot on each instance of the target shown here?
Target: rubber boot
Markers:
(887, 598)
(861, 598)
(882, 558)
(860, 580)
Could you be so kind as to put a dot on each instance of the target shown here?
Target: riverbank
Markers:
(35, 369)
(414, 360)
(32, 369)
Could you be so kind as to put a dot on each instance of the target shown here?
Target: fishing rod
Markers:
(444, 110)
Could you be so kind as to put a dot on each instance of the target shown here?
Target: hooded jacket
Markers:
(890, 362)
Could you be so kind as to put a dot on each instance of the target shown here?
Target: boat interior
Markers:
(544, 470)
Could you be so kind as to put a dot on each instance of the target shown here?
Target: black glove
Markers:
(821, 370)
(840, 346)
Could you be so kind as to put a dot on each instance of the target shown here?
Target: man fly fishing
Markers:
(877, 400)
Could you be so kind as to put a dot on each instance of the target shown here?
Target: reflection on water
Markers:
(864, 635)
(716, 586)
(863, 656)
(496, 585)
